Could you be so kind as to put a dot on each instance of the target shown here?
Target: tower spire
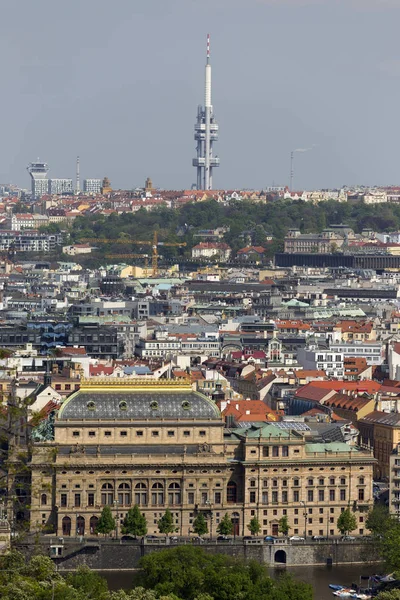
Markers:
(205, 133)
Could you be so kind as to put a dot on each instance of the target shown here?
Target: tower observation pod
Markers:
(205, 134)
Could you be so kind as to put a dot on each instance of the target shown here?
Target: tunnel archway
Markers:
(280, 557)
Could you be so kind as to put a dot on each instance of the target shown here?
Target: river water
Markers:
(319, 577)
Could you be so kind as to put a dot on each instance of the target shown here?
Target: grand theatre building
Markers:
(159, 444)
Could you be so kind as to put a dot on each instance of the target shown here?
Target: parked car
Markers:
(319, 538)
(129, 538)
(247, 537)
(151, 537)
(222, 538)
(270, 538)
(296, 538)
(198, 540)
(173, 539)
(347, 538)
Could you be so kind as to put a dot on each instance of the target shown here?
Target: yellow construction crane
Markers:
(122, 256)
(154, 243)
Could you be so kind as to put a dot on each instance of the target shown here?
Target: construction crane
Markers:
(154, 243)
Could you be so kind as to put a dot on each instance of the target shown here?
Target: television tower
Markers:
(205, 133)
(78, 177)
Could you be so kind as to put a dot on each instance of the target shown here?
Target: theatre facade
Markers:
(159, 444)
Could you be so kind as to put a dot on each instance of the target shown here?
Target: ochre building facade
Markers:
(159, 444)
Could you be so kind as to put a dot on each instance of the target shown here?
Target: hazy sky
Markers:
(118, 82)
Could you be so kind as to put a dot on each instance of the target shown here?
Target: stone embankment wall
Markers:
(116, 555)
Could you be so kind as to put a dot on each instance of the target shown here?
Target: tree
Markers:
(166, 523)
(226, 526)
(135, 522)
(389, 545)
(283, 526)
(200, 525)
(378, 520)
(106, 523)
(346, 522)
(254, 526)
(389, 595)
(89, 583)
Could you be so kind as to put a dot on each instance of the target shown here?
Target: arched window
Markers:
(107, 493)
(80, 526)
(43, 499)
(93, 524)
(66, 526)
(265, 483)
(174, 493)
(141, 494)
(124, 494)
(157, 494)
(231, 492)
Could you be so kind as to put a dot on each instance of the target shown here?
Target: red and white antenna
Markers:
(208, 48)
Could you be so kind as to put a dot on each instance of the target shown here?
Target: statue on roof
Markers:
(44, 432)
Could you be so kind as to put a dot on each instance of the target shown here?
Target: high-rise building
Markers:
(60, 186)
(205, 133)
(39, 181)
(92, 186)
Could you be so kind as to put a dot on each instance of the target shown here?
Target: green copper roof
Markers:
(330, 447)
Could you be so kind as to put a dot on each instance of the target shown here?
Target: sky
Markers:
(118, 83)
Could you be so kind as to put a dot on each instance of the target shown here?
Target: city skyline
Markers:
(286, 76)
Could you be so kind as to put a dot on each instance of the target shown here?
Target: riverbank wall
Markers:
(108, 554)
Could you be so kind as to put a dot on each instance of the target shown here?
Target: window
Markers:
(331, 481)
(155, 433)
(171, 433)
(252, 496)
(252, 483)
(107, 433)
(321, 495)
(275, 451)
(310, 481)
(296, 482)
(274, 497)
(186, 433)
(63, 500)
(332, 495)
(92, 434)
(91, 499)
(174, 493)
(77, 500)
(321, 481)
(274, 483)
(217, 498)
(310, 496)
(265, 451)
(284, 496)
(342, 481)
(123, 433)
(157, 494)
(204, 497)
(107, 493)
(76, 433)
(124, 494)
(296, 496)
(191, 498)
(343, 494)
(284, 483)
(231, 492)
(43, 499)
(285, 450)
(361, 480)
(202, 433)
(141, 494)
(265, 483)
(139, 433)
(361, 495)
(264, 497)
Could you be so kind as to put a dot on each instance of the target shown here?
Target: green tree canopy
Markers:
(378, 520)
(346, 522)
(106, 523)
(283, 526)
(166, 523)
(135, 522)
(254, 526)
(200, 525)
(225, 527)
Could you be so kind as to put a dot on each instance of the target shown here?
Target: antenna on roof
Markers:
(208, 48)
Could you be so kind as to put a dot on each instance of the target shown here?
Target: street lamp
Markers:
(305, 518)
(116, 518)
(209, 504)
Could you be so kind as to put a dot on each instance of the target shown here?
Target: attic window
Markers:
(154, 405)
(185, 405)
(91, 405)
(123, 405)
